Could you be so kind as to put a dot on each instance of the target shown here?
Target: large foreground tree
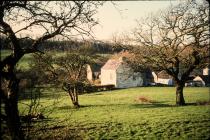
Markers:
(176, 41)
(46, 20)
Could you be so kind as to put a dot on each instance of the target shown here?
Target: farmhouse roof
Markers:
(112, 64)
(96, 67)
(205, 78)
(162, 74)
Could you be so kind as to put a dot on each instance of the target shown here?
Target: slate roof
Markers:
(96, 67)
(112, 64)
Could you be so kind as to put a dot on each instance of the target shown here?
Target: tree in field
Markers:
(73, 75)
(176, 41)
(67, 71)
(47, 20)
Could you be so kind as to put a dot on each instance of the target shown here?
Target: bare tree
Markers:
(119, 40)
(176, 41)
(73, 75)
(67, 71)
(48, 19)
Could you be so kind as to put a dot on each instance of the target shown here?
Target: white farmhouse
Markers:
(163, 78)
(117, 72)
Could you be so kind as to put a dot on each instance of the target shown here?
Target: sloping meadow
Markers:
(134, 113)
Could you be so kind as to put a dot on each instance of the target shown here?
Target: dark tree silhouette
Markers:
(48, 19)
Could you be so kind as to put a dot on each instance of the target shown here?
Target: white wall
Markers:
(89, 73)
(155, 77)
(108, 77)
(165, 81)
(206, 71)
(162, 81)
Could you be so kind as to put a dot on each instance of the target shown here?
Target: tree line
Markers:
(67, 45)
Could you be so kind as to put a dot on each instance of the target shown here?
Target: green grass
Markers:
(119, 115)
(23, 64)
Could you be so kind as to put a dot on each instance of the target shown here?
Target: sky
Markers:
(121, 17)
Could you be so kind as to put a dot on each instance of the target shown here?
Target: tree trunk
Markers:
(11, 108)
(76, 102)
(74, 97)
(179, 94)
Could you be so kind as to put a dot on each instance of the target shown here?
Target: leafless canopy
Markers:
(176, 41)
(175, 38)
(47, 19)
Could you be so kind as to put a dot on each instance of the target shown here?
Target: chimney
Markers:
(206, 71)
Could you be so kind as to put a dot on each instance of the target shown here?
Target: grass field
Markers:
(119, 114)
(27, 59)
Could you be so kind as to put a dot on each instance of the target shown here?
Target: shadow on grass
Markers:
(198, 103)
(152, 105)
(94, 93)
(40, 92)
(191, 104)
(53, 127)
(130, 106)
(162, 104)
(26, 119)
